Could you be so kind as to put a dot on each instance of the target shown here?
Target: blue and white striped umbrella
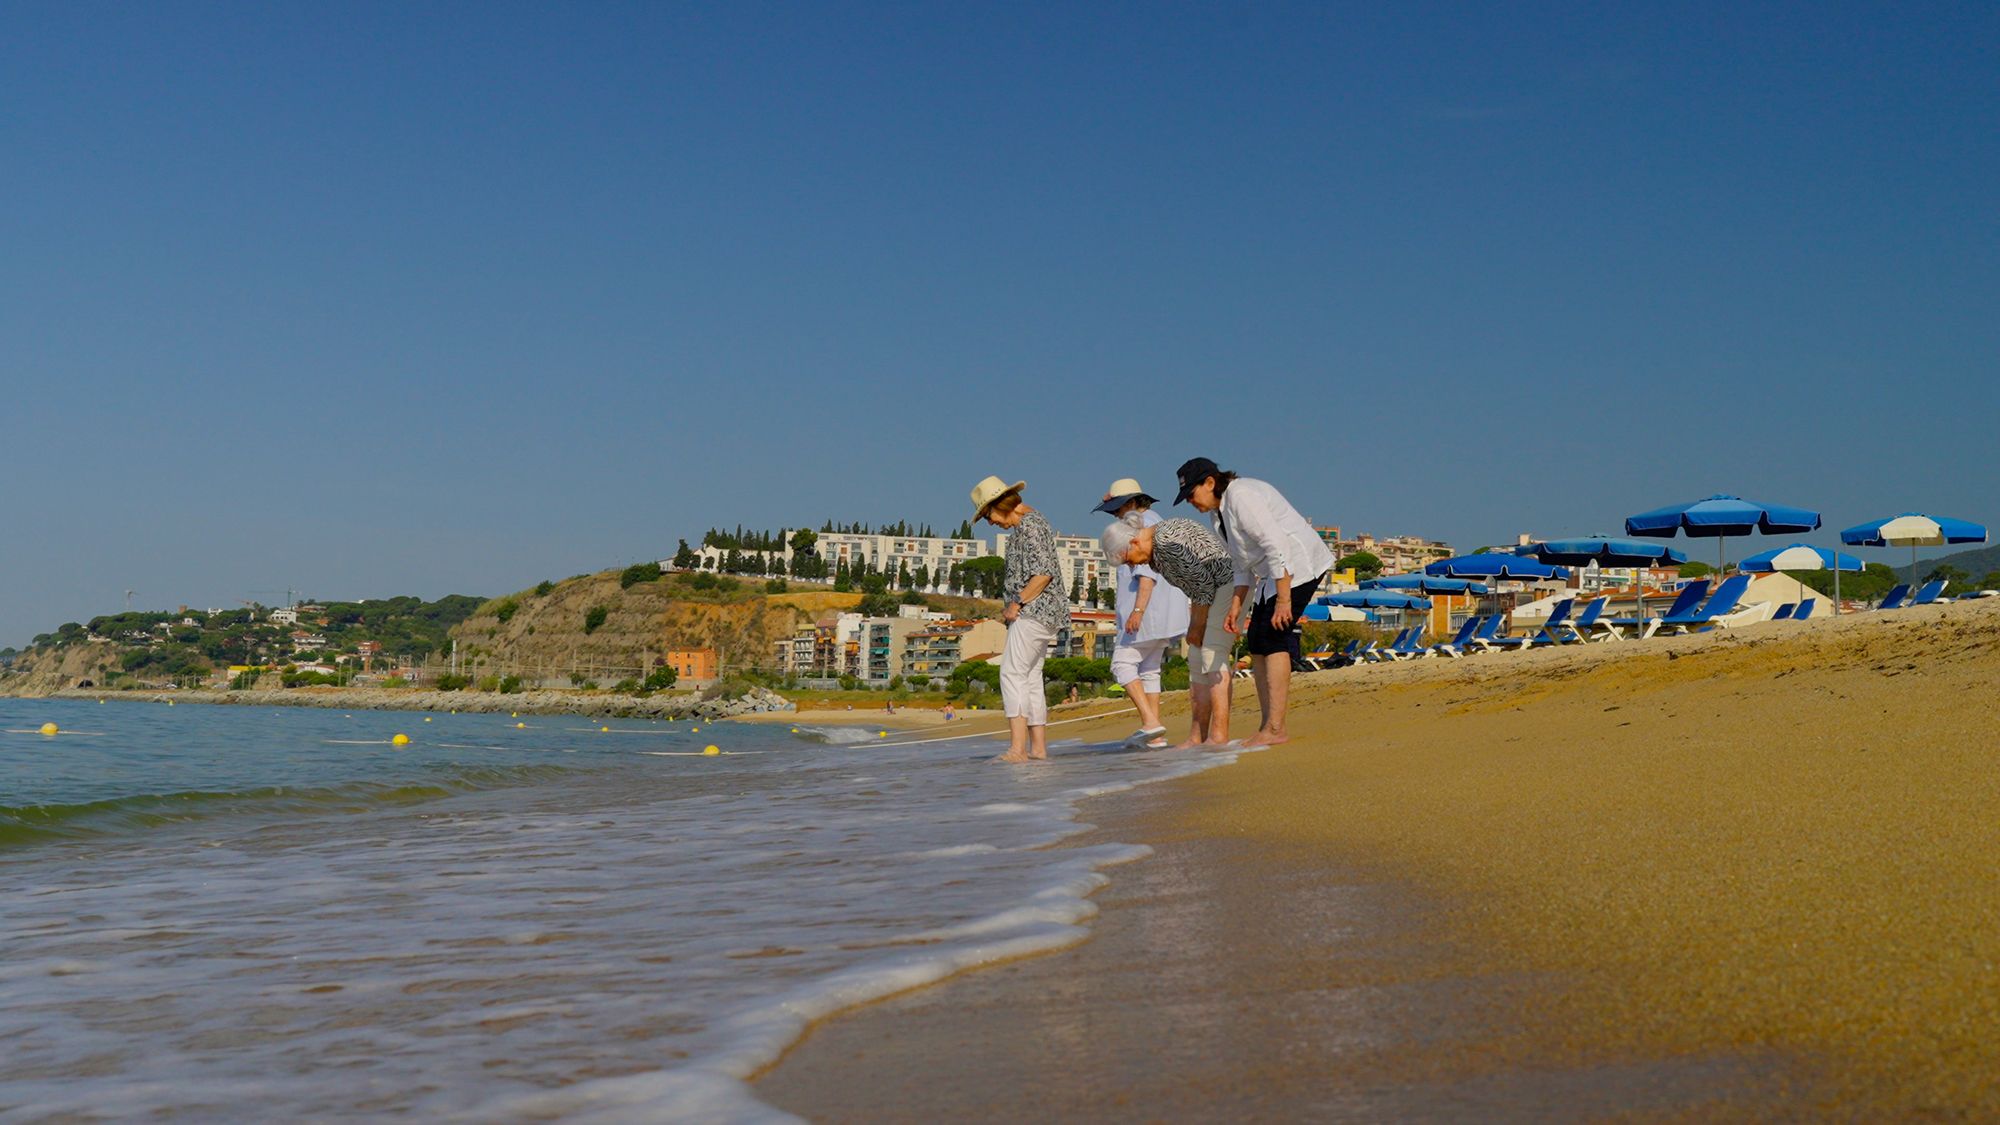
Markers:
(1798, 556)
(1913, 530)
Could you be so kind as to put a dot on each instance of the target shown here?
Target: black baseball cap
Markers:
(1191, 473)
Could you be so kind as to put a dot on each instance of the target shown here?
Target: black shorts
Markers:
(1262, 640)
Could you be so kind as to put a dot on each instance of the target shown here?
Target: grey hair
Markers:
(1117, 539)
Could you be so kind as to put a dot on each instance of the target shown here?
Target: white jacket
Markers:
(1268, 537)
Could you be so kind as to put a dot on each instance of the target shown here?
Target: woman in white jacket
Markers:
(1280, 560)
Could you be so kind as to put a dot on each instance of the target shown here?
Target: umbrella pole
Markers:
(1836, 579)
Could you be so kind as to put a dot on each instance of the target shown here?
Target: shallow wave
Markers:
(839, 736)
(22, 825)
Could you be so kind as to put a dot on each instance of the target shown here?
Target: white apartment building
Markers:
(1082, 559)
(884, 553)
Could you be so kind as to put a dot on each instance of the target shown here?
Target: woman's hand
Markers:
(1137, 619)
(1198, 629)
(1237, 621)
(1281, 614)
(1010, 613)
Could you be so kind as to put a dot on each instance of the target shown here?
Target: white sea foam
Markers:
(627, 944)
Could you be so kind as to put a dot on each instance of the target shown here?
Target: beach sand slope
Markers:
(1741, 875)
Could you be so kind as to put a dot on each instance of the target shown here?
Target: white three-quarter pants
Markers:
(1140, 660)
(1021, 692)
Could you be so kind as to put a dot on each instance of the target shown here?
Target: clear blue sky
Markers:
(374, 299)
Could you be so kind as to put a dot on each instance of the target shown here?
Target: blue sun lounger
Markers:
(1897, 595)
(1684, 603)
(1928, 594)
(1548, 633)
(1785, 611)
(1583, 628)
(1456, 645)
(1388, 652)
(1721, 602)
(1805, 609)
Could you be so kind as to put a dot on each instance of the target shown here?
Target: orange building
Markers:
(692, 663)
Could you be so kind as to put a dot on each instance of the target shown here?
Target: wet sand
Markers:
(1746, 875)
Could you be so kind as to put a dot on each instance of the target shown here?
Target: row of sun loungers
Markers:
(1694, 610)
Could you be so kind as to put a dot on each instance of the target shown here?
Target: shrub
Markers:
(244, 681)
(488, 683)
(395, 682)
(452, 681)
(626, 686)
(576, 679)
(663, 677)
(506, 610)
(590, 685)
(510, 686)
(594, 617)
(776, 586)
(974, 677)
(637, 573)
(543, 587)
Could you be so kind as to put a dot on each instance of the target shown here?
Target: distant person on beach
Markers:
(1152, 615)
(1036, 610)
(1194, 561)
(949, 714)
(1280, 559)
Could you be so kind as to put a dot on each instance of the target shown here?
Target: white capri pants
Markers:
(1140, 661)
(1021, 692)
(1209, 664)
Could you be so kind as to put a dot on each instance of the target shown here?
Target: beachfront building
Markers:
(1400, 554)
(881, 646)
(698, 665)
(1092, 634)
(931, 653)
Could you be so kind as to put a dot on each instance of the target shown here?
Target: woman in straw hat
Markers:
(1152, 615)
(1197, 563)
(1036, 611)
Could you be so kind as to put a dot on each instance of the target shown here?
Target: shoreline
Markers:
(1743, 874)
(535, 702)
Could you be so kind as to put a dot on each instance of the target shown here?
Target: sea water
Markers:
(236, 912)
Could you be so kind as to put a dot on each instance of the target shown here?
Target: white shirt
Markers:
(1268, 537)
(1167, 612)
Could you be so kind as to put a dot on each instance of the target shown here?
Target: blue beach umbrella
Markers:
(1607, 551)
(1365, 600)
(1497, 567)
(1913, 529)
(1604, 551)
(1374, 599)
(1425, 584)
(1720, 517)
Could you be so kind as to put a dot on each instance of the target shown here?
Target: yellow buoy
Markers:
(400, 740)
(50, 728)
(100, 703)
(427, 718)
(795, 730)
(515, 715)
(520, 726)
(710, 751)
(606, 730)
(881, 734)
(170, 703)
(694, 730)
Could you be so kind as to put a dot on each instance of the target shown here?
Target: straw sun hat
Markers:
(987, 491)
(1122, 490)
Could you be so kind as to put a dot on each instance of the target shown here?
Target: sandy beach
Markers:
(1740, 875)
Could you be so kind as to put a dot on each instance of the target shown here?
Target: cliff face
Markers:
(48, 670)
(543, 636)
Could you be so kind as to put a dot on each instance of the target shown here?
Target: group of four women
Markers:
(1250, 572)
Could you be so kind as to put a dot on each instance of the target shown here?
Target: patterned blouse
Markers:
(1193, 558)
(1031, 550)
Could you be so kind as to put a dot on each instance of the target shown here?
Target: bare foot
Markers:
(1188, 744)
(1266, 738)
(1225, 744)
(1013, 757)
(1038, 755)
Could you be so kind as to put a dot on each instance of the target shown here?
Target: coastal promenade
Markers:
(1743, 875)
